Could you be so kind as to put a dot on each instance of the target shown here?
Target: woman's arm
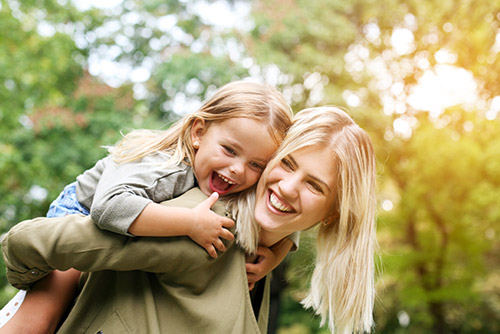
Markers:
(34, 248)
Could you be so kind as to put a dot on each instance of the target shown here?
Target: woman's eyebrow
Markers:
(317, 179)
(320, 181)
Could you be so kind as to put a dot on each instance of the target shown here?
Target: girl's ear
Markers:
(197, 131)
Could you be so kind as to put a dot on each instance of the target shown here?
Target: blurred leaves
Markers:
(439, 236)
(439, 168)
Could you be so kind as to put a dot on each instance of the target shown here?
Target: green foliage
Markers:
(439, 239)
(294, 319)
(55, 118)
(442, 224)
(51, 129)
(204, 74)
(438, 243)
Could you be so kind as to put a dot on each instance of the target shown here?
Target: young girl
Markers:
(221, 148)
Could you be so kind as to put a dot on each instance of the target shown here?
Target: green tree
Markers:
(55, 117)
(435, 166)
(35, 71)
(443, 226)
(438, 169)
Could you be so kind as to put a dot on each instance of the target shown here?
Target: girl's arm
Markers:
(124, 190)
(202, 225)
(124, 201)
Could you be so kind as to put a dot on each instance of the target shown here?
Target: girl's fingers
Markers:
(226, 222)
(211, 251)
(210, 201)
(225, 234)
(220, 245)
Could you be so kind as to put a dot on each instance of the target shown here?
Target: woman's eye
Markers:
(316, 187)
(229, 150)
(287, 165)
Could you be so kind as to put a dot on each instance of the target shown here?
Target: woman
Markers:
(323, 173)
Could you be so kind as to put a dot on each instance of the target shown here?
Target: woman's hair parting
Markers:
(342, 284)
(236, 99)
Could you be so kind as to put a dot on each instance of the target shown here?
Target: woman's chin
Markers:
(270, 221)
(268, 225)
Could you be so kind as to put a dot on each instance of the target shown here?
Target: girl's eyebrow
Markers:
(238, 147)
(317, 179)
(230, 141)
(262, 161)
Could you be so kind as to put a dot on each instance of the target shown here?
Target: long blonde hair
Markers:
(235, 99)
(342, 284)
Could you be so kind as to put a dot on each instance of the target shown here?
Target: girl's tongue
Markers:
(218, 184)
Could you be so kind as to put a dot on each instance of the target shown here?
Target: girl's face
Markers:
(298, 192)
(231, 154)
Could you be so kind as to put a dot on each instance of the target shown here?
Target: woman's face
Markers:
(298, 192)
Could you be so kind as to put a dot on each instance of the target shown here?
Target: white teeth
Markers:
(225, 180)
(275, 202)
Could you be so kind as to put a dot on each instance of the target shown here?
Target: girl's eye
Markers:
(256, 166)
(229, 150)
(287, 165)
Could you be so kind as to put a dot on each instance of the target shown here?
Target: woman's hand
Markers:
(265, 260)
(261, 265)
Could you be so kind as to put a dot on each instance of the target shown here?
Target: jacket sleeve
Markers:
(34, 248)
(295, 238)
(124, 190)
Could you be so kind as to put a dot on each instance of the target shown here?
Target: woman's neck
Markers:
(267, 238)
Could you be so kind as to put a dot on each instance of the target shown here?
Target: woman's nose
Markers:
(289, 186)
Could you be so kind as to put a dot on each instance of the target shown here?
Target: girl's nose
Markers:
(237, 168)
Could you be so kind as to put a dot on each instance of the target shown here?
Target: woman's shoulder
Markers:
(192, 198)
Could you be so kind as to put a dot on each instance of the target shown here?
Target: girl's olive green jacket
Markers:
(137, 285)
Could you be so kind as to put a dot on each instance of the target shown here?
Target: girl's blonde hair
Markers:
(236, 99)
(342, 284)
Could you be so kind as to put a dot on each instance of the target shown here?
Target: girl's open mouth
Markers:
(220, 183)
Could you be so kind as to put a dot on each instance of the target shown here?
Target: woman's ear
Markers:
(197, 131)
(332, 217)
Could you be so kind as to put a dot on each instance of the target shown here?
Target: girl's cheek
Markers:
(254, 177)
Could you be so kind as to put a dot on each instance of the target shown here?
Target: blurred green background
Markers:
(419, 76)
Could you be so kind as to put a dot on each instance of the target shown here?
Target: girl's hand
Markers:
(207, 227)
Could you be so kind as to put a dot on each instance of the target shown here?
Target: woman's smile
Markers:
(296, 193)
(278, 204)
